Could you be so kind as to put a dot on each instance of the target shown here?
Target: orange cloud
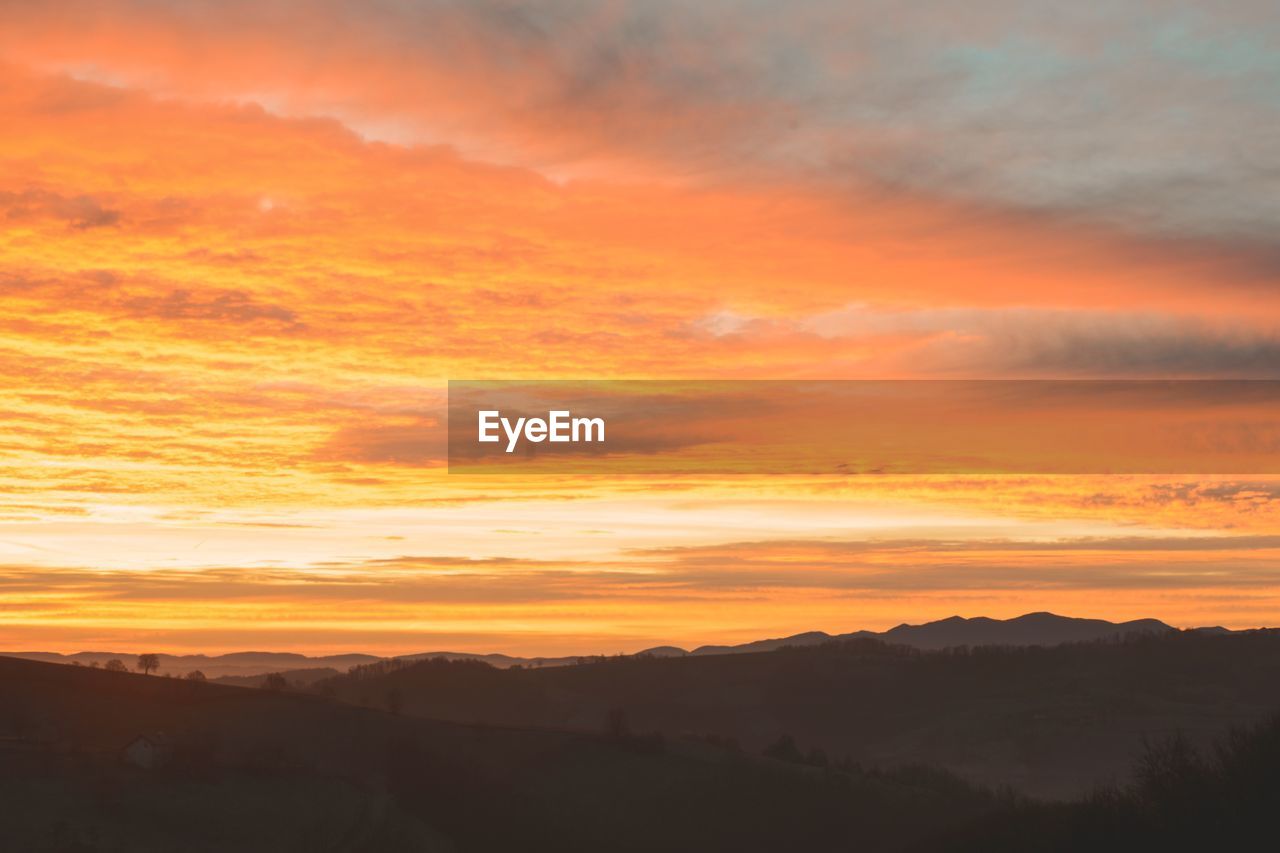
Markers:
(239, 262)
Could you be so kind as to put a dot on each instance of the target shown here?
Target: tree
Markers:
(195, 675)
(785, 749)
(148, 662)
(116, 665)
(395, 700)
(275, 681)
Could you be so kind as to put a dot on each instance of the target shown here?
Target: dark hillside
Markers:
(1182, 799)
(1048, 721)
(258, 770)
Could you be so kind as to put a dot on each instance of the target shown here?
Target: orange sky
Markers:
(242, 250)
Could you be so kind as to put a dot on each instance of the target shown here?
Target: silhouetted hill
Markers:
(292, 677)
(1181, 799)
(213, 666)
(1033, 629)
(1043, 629)
(809, 638)
(1047, 720)
(664, 652)
(260, 770)
(500, 661)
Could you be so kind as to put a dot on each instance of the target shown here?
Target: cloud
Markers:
(1049, 342)
(835, 550)
(1152, 118)
(359, 591)
(381, 195)
(1110, 562)
(407, 441)
(80, 212)
(1086, 345)
(222, 306)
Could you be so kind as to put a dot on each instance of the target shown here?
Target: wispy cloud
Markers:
(246, 243)
(1150, 117)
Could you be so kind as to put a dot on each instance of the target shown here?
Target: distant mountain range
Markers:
(235, 664)
(1032, 629)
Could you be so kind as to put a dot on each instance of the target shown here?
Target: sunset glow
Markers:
(243, 248)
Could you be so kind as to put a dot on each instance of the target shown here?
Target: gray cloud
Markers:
(1152, 117)
(80, 212)
(1052, 342)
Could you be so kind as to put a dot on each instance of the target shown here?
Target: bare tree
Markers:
(195, 675)
(147, 663)
(116, 665)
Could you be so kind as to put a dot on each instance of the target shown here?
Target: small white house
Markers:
(149, 751)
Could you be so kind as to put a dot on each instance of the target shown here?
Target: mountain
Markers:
(250, 666)
(261, 770)
(499, 661)
(809, 638)
(1048, 720)
(663, 652)
(1033, 629)
(213, 666)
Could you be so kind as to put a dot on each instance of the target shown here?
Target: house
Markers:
(149, 751)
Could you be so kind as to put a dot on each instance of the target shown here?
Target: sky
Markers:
(245, 245)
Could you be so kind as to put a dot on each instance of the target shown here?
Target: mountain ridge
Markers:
(1030, 629)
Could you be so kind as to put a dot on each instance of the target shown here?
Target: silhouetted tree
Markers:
(116, 665)
(785, 749)
(195, 675)
(147, 663)
(1171, 776)
(395, 700)
(275, 681)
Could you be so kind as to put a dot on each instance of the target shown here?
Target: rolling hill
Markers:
(1044, 629)
(261, 770)
(1051, 721)
(1032, 629)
